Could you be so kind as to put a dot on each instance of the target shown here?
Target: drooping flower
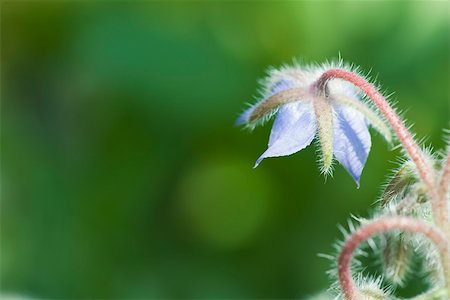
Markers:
(337, 114)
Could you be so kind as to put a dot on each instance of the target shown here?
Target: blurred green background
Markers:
(122, 174)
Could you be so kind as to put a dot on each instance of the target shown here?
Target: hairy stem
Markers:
(424, 168)
(381, 225)
(444, 186)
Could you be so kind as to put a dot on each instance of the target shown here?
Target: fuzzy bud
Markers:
(399, 183)
(370, 289)
(397, 258)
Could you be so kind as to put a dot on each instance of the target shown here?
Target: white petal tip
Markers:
(258, 162)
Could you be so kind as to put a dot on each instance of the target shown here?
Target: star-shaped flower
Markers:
(335, 112)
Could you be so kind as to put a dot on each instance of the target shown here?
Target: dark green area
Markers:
(122, 175)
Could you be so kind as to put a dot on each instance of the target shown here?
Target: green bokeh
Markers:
(122, 175)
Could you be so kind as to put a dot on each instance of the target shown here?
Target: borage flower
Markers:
(337, 114)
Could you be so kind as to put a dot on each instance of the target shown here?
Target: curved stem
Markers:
(444, 183)
(424, 168)
(348, 286)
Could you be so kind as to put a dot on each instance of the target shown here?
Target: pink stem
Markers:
(444, 186)
(408, 224)
(415, 153)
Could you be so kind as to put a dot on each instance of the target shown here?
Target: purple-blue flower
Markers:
(338, 116)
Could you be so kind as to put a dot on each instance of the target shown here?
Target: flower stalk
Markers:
(308, 103)
(437, 193)
(415, 153)
(444, 187)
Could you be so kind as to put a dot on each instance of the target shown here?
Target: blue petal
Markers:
(351, 140)
(293, 129)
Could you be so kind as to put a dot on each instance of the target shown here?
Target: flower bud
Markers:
(397, 258)
(399, 183)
